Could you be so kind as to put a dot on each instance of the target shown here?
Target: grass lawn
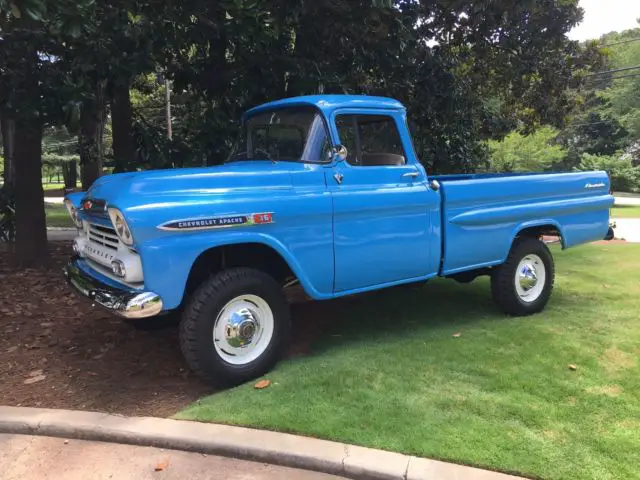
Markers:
(52, 186)
(389, 374)
(57, 216)
(625, 211)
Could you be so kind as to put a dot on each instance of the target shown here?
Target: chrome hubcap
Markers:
(530, 278)
(243, 329)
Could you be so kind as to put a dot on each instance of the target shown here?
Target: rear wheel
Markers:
(522, 285)
(235, 326)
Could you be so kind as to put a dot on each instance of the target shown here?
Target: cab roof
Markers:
(328, 103)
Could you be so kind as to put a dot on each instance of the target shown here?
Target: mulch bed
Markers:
(58, 352)
(610, 242)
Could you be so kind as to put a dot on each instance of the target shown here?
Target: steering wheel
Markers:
(266, 154)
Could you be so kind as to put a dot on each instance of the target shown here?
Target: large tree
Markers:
(29, 31)
(467, 71)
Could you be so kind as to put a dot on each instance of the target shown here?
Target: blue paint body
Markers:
(377, 228)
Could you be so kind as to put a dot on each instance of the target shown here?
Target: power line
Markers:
(620, 42)
(585, 124)
(624, 76)
(612, 71)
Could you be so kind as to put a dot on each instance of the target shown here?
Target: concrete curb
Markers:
(236, 442)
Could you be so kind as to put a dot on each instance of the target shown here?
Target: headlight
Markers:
(73, 213)
(120, 224)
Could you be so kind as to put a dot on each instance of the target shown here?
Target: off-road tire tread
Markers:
(215, 292)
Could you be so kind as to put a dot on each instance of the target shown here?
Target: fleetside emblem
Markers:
(594, 185)
(218, 222)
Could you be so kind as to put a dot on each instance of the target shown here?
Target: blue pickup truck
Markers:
(326, 191)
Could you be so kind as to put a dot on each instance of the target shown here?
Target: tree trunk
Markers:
(121, 118)
(69, 174)
(8, 128)
(31, 229)
(90, 139)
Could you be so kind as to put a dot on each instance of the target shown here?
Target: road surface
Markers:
(44, 458)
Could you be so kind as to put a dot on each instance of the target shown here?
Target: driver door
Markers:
(382, 207)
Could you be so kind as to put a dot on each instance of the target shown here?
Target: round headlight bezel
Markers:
(121, 227)
(73, 213)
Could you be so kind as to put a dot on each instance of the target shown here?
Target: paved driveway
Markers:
(628, 229)
(627, 199)
(44, 458)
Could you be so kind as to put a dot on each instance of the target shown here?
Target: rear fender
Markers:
(537, 223)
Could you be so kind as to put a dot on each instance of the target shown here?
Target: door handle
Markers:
(411, 175)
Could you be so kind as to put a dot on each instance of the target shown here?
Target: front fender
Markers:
(76, 198)
(167, 262)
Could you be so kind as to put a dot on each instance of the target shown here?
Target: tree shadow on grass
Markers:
(398, 311)
(392, 311)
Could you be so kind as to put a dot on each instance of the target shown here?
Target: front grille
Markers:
(105, 236)
(90, 206)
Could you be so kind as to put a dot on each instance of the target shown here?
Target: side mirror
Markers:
(340, 153)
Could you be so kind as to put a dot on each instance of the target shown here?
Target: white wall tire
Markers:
(522, 285)
(235, 327)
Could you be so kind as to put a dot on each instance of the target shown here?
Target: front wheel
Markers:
(522, 285)
(235, 326)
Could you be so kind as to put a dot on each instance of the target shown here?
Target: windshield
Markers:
(289, 134)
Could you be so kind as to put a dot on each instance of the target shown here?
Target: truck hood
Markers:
(127, 189)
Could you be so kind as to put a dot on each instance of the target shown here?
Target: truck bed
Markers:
(482, 213)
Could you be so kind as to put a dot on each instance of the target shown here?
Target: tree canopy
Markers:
(468, 72)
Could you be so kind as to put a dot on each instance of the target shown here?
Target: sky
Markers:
(604, 16)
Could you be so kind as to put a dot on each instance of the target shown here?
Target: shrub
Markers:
(624, 176)
(526, 153)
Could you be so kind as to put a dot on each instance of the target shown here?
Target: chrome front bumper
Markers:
(125, 303)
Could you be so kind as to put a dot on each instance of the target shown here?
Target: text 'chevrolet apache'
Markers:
(325, 191)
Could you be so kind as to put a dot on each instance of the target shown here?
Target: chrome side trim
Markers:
(124, 303)
(214, 223)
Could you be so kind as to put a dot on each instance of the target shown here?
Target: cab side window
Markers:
(371, 140)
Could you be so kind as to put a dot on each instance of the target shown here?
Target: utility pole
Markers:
(167, 99)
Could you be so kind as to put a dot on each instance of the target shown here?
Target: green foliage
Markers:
(608, 120)
(624, 176)
(621, 96)
(55, 159)
(592, 132)
(517, 152)
(239, 54)
(493, 65)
